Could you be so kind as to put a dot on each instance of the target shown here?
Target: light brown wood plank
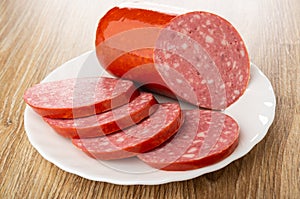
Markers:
(38, 36)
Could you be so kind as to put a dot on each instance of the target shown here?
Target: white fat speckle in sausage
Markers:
(196, 47)
(196, 141)
(120, 139)
(176, 65)
(197, 16)
(191, 80)
(165, 72)
(211, 31)
(166, 66)
(242, 53)
(224, 42)
(228, 63)
(191, 150)
(179, 81)
(200, 135)
(209, 39)
(171, 47)
(234, 65)
(180, 22)
(241, 78)
(145, 132)
(104, 143)
(186, 137)
(184, 46)
(237, 92)
(188, 155)
(167, 55)
(210, 81)
(176, 110)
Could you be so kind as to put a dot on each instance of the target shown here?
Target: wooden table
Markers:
(37, 36)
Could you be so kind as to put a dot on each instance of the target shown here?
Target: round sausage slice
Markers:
(205, 138)
(108, 122)
(73, 98)
(203, 60)
(143, 137)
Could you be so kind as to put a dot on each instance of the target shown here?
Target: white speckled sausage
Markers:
(108, 122)
(205, 138)
(143, 137)
(73, 98)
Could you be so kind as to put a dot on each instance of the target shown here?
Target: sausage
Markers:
(143, 137)
(108, 122)
(125, 41)
(206, 137)
(198, 57)
(203, 59)
(73, 98)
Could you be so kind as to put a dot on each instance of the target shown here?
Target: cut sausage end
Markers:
(203, 59)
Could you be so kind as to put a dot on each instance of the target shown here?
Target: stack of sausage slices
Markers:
(196, 57)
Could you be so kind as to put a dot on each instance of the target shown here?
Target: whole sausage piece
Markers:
(108, 122)
(205, 138)
(198, 57)
(142, 137)
(80, 97)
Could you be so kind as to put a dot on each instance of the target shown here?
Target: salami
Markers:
(108, 122)
(125, 42)
(198, 57)
(143, 137)
(73, 98)
(203, 60)
(205, 138)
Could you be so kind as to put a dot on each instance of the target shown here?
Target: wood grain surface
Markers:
(37, 36)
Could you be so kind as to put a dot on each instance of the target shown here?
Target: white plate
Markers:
(254, 112)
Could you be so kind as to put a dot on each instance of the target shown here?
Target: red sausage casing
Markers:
(125, 41)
